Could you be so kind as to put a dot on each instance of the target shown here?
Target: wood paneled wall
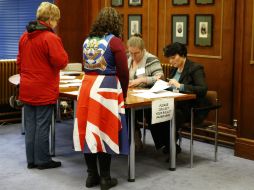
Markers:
(149, 21)
(227, 62)
(243, 78)
(217, 60)
(76, 19)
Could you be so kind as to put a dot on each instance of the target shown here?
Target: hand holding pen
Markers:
(173, 82)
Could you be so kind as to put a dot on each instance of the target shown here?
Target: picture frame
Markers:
(179, 28)
(135, 3)
(134, 24)
(203, 30)
(117, 3)
(204, 2)
(180, 2)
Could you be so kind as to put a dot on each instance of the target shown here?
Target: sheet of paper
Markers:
(159, 85)
(162, 110)
(71, 81)
(72, 93)
(70, 72)
(62, 77)
(161, 94)
(140, 90)
(69, 84)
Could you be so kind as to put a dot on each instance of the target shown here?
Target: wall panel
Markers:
(218, 59)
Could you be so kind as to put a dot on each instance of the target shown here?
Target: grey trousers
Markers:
(37, 125)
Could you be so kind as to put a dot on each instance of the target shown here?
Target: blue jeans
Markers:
(37, 125)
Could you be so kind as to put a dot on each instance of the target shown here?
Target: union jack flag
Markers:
(100, 123)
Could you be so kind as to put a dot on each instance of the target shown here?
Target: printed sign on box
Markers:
(162, 110)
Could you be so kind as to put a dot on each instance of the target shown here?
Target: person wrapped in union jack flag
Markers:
(100, 128)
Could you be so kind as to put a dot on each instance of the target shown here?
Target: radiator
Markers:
(7, 68)
(166, 69)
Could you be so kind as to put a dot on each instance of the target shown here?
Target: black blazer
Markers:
(193, 78)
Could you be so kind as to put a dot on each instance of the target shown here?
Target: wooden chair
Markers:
(212, 126)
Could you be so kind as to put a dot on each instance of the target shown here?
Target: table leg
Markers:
(131, 158)
(172, 144)
(58, 111)
(74, 109)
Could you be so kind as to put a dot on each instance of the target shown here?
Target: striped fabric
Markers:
(102, 127)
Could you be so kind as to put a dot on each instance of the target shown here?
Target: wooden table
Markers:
(134, 103)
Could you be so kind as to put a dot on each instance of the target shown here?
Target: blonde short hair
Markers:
(48, 11)
(136, 41)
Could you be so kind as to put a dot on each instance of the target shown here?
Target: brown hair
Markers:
(108, 21)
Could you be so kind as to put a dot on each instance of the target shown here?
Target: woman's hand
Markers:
(173, 82)
(158, 77)
(136, 82)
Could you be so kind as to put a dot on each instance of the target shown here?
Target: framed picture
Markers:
(135, 2)
(117, 3)
(180, 2)
(203, 30)
(180, 28)
(204, 2)
(134, 25)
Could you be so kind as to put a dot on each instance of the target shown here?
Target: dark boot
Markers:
(93, 177)
(92, 180)
(107, 183)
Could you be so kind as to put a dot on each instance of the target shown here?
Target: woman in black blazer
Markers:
(185, 77)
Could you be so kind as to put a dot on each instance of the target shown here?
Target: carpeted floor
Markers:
(152, 172)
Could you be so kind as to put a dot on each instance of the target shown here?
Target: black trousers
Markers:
(104, 161)
(160, 131)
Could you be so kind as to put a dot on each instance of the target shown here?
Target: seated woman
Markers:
(185, 77)
(144, 70)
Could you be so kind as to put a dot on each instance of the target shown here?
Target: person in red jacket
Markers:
(40, 57)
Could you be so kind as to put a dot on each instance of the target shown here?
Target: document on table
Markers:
(159, 85)
(157, 91)
(71, 81)
(71, 72)
(69, 85)
(72, 93)
(160, 94)
(66, 77)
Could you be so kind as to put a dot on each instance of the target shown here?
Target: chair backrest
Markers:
(212, 96)
(205, 112)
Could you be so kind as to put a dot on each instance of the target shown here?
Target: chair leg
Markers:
(180, 137)
(144, 135)
(216, 136)
(191, 138)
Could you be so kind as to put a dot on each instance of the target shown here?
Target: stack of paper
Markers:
(157, 91)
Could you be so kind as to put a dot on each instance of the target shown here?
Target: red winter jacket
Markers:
(41, 56)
